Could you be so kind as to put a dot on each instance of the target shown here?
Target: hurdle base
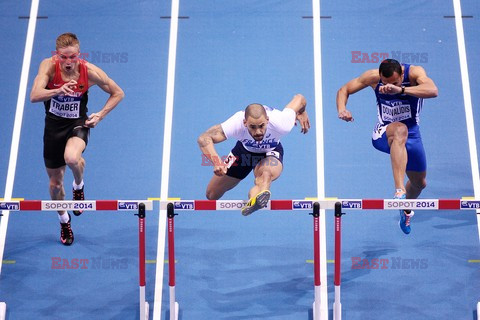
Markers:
(337, 311)
(147, 310)
(3, 310)
(177, 308)
(314, 312)
(173, 315)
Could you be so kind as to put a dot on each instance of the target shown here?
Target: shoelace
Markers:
(78, 194)
(66, 229)
(407, 219)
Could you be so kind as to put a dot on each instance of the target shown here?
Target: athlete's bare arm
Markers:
(299, 104)
(46, 72)
(97, 76)
(206, 143)
(425, 87)
(368, 79)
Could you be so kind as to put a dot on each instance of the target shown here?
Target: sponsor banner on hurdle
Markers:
(87, 205)
(232, 204)
(129, 205)
(470, 204)
(302, 204)
(10, 205)
(184, 205)
(351, 204)
(417, 204)
(54, 205)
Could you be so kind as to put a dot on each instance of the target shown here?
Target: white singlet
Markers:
(280, 123)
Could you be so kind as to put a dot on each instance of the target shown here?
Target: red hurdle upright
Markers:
(316, 260)
(141, 261)
(337, 305)
(174, 307)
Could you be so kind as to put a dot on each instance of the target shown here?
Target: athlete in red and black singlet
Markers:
(65, 116)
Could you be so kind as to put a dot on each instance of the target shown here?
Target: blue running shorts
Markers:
(415, 151)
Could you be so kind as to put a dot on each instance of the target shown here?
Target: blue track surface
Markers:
(231, 54)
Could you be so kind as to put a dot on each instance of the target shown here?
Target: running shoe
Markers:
(256, 203)
(405, 215)
(78, 195)
(66, 233)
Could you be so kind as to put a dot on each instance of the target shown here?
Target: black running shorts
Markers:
(55, 137)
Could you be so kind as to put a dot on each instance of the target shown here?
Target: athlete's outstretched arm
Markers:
(299, 104)
(368, 78)
(206, 143)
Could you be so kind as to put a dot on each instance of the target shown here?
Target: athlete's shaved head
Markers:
(256, 121)
(255, 110)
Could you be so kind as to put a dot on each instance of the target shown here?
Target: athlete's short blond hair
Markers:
(66, 40)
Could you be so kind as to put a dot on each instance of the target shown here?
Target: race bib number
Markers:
(275, 154)
(65, 107)
(394, 113)
(230, 160)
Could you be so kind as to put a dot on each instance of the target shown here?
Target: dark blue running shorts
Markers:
(241, 162)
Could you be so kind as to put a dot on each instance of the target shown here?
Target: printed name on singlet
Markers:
(264, 144)
(397, 111)
(66, 106)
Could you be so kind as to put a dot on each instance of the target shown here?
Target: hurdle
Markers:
(174, 306)
(93, 205)
(337, 305)
(315, 206)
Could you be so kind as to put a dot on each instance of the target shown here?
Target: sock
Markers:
(63, 218)
(77, 187)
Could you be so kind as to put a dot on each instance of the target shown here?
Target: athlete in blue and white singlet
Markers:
(399, 90)
(405, 109)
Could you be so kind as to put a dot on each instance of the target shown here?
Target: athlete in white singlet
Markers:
(257, 130)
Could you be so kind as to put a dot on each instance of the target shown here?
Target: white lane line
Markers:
(317, 53)
(467, 98)
(17, 127)
(167, 135)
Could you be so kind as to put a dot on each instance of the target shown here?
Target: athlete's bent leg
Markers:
(416, 183)
(266, 171)
(397, 134)
(73, 157)
(218, 185)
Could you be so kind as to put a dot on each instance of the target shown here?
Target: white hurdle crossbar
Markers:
(92, 205)
(351, 204)
(234, 205)
(315, 205)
